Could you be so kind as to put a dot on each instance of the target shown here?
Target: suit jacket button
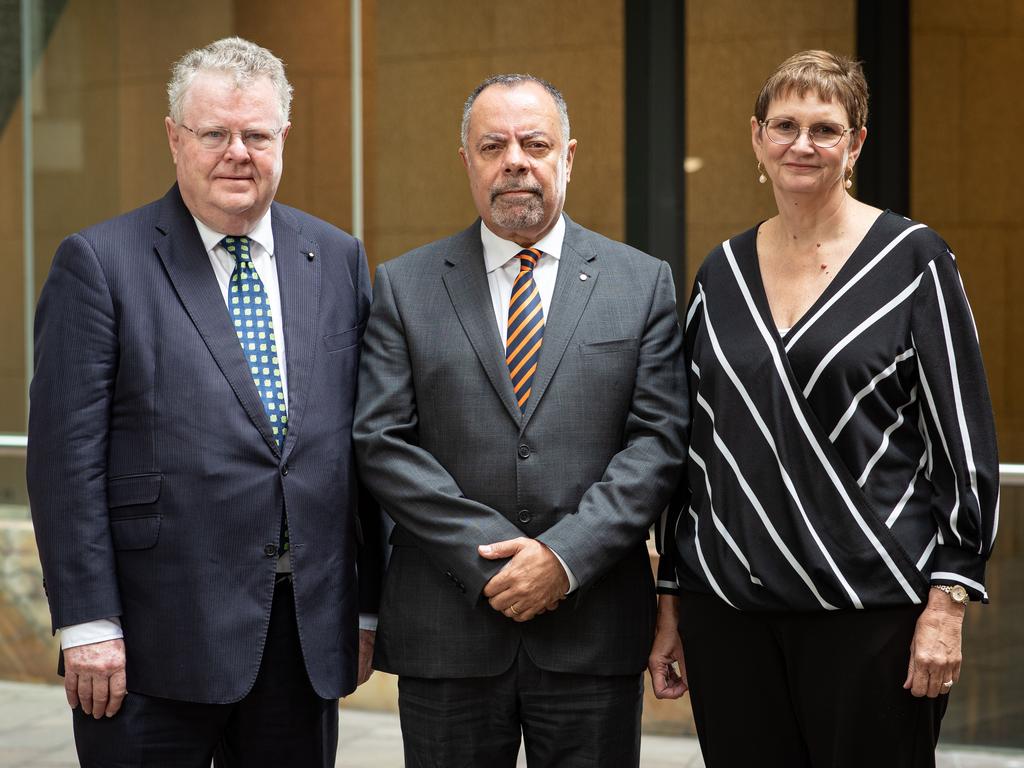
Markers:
(270, 550)
(284, 470)
(524, 451)
(524, 516)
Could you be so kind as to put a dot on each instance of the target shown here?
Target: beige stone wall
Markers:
(731, 47)
(967, 174)
(423, 59)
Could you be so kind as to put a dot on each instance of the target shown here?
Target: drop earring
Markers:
(849, 177)
(761, 179)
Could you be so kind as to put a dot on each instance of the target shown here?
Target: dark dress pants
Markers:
(565, 720)
(280, 722)
(805, 690)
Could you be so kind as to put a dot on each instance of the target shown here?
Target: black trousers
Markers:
(565, 720)
(805, 690)
(280, 722)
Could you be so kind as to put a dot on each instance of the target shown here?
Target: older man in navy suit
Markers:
(190, 465)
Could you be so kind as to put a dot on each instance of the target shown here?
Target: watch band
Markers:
(956, 593)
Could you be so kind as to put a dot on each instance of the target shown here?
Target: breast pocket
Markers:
(337, 342)
(607, 347)
(133, 511)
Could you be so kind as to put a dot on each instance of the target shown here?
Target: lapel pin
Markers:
(584, 276)
(309, 255)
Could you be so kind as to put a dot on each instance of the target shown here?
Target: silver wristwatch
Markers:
(956, 593)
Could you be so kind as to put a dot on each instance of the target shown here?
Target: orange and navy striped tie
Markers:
(525, 327)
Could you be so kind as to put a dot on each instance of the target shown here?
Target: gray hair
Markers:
(511, 81)
(244, 60)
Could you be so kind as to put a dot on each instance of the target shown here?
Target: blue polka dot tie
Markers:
(254, 326)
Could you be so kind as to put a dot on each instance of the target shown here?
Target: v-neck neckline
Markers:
(841, 278)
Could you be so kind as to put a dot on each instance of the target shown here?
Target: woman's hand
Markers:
(935, 650)
(667, 652)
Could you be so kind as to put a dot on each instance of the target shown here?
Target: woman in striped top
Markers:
(842, 477)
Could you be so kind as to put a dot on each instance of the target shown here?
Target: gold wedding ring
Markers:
(515, 612)
(948, 684)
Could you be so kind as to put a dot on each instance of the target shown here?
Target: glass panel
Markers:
(965, 175)
(987, 706)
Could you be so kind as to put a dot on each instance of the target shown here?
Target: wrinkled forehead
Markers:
(524, 107)
(222, 98)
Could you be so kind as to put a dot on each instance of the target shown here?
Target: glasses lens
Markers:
(781, 130)
(826, 135)
(258, 138)
(213, 138)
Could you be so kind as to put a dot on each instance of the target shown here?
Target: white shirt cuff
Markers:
(573, 581)
(368, 621)
(91, 632)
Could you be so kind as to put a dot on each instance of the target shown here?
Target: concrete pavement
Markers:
(35, 732)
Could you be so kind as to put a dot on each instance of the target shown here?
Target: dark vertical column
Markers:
(655, 131)
(883, 44)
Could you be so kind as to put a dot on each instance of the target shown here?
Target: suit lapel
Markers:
(466, 283)
(188, 267)
(299, 278)
(572, 292)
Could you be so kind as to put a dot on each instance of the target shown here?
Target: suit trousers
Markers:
(280, 722)
(805, 689)
(565, 720)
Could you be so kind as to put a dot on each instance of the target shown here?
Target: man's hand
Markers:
(366, 640)
(532, 582)
(94, 677)
(667, 653)
(935, 650)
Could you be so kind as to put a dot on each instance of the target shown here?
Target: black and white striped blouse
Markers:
(850, 462)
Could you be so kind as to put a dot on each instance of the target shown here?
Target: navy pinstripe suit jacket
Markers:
(155, 483)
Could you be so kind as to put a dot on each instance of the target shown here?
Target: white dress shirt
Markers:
(502, 268)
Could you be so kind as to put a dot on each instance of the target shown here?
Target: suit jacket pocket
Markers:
(134, 518)
(614, 345)
(335, 342)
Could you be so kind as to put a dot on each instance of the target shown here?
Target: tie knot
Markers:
(528, 258)
(237, 246)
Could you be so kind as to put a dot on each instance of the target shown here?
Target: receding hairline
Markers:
(511, 82)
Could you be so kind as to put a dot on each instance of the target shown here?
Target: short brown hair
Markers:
(832, 77)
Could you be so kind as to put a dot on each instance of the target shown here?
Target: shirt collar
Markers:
(498, 252)
(262, 233)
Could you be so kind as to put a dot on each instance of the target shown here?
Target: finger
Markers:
(85, 693)
(500, 549)
(118, 690)
(71, 688)
(100, 696)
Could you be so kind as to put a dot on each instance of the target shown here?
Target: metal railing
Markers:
(15, 445)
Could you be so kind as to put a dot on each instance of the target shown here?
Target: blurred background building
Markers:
(660, 93)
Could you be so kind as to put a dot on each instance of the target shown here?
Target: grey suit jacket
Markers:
(156, 485)
(445, 449)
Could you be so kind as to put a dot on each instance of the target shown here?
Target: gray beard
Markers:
(518, 216)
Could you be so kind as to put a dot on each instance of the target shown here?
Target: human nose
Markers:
(515, 158)
(236, 148)
(803, 142)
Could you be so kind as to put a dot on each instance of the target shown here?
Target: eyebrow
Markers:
(502, 137)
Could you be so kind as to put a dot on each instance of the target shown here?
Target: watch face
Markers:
(959, 594)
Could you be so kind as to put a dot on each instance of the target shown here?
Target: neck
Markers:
(807, 219)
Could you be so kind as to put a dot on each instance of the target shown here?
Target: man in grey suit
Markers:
(189, 464)
(521, 416)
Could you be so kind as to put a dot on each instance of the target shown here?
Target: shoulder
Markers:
(587, 242)
(120, 231)
(739, 247)
(431, 257)
(322, 232)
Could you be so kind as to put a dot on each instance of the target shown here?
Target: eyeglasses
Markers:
(217, 138)
(782, 130)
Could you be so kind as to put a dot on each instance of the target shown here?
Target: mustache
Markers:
(532, 188)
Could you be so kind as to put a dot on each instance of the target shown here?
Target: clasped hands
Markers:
(531, 582)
